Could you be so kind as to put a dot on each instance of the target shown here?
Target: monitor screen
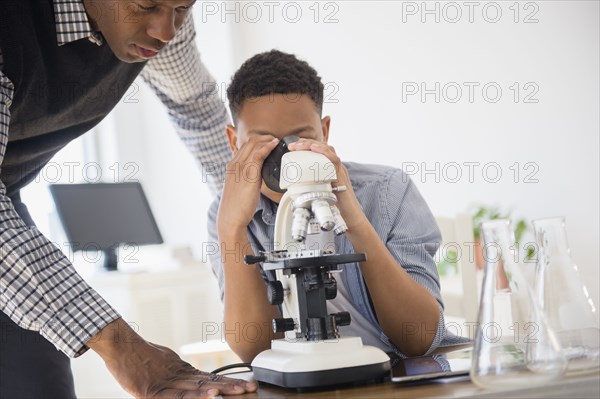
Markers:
(101, 216)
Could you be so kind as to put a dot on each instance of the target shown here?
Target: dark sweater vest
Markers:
(60, 92)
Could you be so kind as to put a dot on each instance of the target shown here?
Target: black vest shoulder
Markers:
(60, 92)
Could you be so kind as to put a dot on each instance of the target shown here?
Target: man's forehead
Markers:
(173, 3)
(288, 132)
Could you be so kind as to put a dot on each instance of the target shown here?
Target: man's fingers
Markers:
(248, 150)
(301, 144)
(257, 141)
(228, 386)
(310, 144)
(174, 393)
(204, 382)
(263, 151)
(316, 146)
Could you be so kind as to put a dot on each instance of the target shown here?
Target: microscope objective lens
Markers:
(322, 211)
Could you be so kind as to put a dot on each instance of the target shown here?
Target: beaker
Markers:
(569, 309)
(513, 344)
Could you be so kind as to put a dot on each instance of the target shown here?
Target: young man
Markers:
(64, 64)
(393, 297)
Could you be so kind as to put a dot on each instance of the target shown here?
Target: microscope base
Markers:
(305, 364)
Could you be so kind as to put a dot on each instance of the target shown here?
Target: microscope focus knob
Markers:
(283, 325)
(342, 319)
(275, 292)
(251, 259)
(331, 292)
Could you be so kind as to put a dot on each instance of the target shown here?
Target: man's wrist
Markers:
(114, 339)
(358, 223)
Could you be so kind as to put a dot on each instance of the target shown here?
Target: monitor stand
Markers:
(111, 259)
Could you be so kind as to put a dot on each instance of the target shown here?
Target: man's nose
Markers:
(163, 26)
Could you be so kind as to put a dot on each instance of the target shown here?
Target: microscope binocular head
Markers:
(283, 168)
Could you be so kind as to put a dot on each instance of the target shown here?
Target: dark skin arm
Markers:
(245, 296)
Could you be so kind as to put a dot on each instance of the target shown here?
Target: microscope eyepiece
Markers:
(271, 169)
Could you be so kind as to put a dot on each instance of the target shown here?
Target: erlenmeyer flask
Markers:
(566, 302)
(513, 343)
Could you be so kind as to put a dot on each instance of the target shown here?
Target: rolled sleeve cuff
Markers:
(75, 324)
(439, 334)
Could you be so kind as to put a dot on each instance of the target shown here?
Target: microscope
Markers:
(312, 354)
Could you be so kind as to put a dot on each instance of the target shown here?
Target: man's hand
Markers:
(146, 370)
(242, 183)
(348, 204)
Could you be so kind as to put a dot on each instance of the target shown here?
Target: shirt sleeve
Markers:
(39, 288)
(184, 85)
(212, 247)
(414, 239)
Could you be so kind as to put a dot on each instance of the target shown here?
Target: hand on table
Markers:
(146, 370)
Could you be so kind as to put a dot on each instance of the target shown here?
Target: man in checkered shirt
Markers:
(50, 49)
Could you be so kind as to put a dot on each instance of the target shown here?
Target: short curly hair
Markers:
(273, 72)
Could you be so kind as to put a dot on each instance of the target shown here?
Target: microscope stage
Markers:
(319, 261)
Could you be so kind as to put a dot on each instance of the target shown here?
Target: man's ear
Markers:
(325, 127)
(232, 137)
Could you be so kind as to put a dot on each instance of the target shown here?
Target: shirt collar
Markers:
(268, 208)
(72, 23)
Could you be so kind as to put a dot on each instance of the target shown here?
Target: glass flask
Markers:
(513, 344)
(569, 309)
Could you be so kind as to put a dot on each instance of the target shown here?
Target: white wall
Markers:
(370, 57)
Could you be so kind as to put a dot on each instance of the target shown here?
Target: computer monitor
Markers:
(102, 216)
